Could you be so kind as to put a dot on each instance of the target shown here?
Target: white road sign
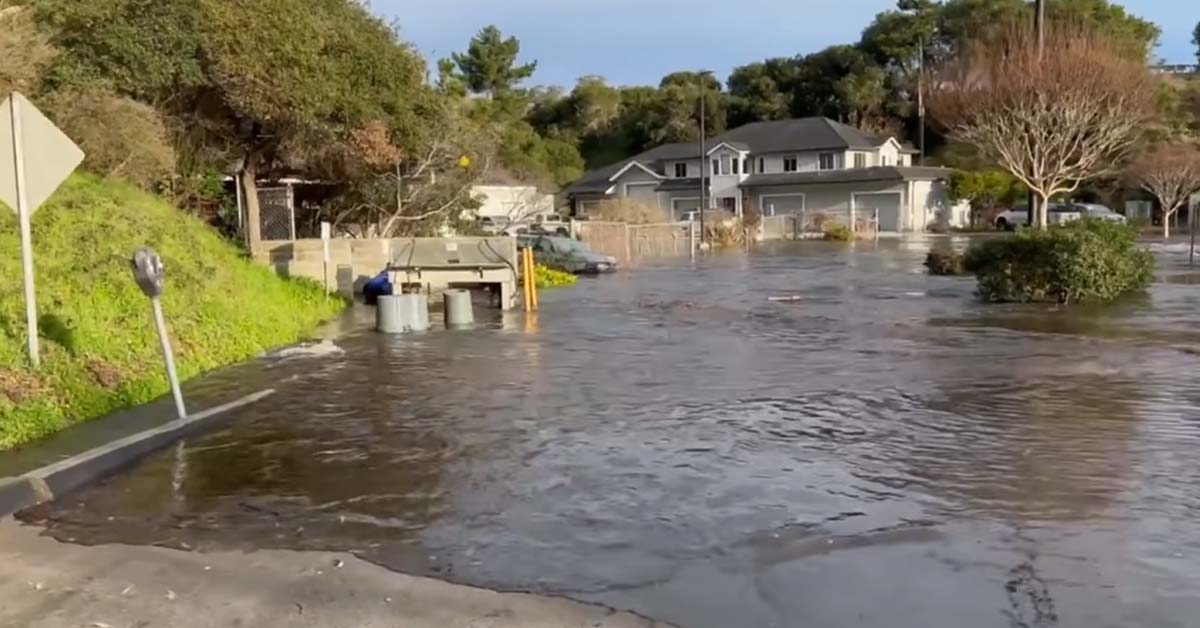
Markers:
(50, 156)
(35, 158)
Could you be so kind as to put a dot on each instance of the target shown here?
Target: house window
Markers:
(716, 163)
(681, 170)
(883, 159)
(725, 164)
(729, 204)
(737, 165)
(826, 160)
(860, 160)
(762, 165)
(791, 164)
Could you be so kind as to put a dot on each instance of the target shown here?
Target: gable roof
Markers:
(800, 134)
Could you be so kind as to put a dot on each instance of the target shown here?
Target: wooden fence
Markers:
(629, 243)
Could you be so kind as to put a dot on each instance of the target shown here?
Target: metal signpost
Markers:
(35, 158)
(148, 272)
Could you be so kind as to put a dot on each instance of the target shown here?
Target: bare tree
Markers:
(1053, 119)
(1172, 174)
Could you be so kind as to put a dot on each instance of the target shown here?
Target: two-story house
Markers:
(784, 166)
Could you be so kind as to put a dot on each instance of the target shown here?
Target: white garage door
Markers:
(778, 205)
(888, 206)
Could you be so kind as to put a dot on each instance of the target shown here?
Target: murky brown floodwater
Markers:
(884, 452)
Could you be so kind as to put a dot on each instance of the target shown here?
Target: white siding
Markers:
(932, 207)
(511, 201)
(888, 154)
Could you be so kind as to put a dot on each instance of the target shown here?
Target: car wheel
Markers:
(1002, 224)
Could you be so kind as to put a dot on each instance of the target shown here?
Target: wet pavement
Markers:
(884, 451)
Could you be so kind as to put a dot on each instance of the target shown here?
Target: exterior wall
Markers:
(888, 155)
(832, 199)
(512, 201)
(932, 207)
(693, 168)
(808, 161)
(352, 263)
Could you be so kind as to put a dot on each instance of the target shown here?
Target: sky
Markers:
(637, 42)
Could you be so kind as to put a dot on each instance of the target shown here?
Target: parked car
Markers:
(567, 254)
(501, 226)
(1100, 212)
(1058, 214)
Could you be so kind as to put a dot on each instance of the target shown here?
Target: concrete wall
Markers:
(354, 262)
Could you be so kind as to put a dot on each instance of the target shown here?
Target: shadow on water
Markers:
(875, 449)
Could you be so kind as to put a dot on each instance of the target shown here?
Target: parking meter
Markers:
(149, 274)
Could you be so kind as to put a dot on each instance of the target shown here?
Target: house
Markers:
(512, 203)
(813, 165)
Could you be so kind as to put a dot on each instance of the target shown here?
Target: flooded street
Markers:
(884, 451)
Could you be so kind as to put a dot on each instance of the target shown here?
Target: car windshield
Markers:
(1098, 209)
(567, 245)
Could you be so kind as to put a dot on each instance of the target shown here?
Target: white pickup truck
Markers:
(1059, 213)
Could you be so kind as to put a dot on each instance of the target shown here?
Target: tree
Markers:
(755, 93)
(121, 137)
(1196, 40)
(897, 38)
(985, 190)
(26, 50)
(1054, 119)
(489, 65)
(1172, 174)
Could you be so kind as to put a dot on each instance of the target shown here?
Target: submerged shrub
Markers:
(944, 262)
(1085, 260)
(838, 233)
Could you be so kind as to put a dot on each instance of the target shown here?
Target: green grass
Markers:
(99, 349)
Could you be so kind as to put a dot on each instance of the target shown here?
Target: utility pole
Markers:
(921, 96)
(1039, 25)
(703, 159)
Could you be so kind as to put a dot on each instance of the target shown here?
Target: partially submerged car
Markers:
(567, 254)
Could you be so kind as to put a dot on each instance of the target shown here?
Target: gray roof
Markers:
(800, 134)
(597, 180)
(852, 175)
(676, 185)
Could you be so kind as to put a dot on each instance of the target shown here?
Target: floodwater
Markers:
(883, 451)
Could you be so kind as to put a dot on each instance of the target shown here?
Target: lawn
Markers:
(99, 349)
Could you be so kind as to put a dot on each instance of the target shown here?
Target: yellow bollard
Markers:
(533, 284)
(526, 280)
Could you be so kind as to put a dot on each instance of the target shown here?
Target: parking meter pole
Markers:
(168, 356)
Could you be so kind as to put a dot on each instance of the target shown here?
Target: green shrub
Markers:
(546, 277)
(838, 233)
(944, 262)
(1086, 260)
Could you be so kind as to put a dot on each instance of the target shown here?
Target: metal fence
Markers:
(277, 212)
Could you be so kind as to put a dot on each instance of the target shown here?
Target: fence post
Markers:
(692, 239)
(628, 251)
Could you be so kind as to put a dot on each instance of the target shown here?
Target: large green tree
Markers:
(489, 66)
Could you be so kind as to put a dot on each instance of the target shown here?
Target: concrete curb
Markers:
(52, 481)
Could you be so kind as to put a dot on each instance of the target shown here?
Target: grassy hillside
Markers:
(99, 349)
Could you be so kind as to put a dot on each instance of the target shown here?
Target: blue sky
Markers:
(638, 41)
